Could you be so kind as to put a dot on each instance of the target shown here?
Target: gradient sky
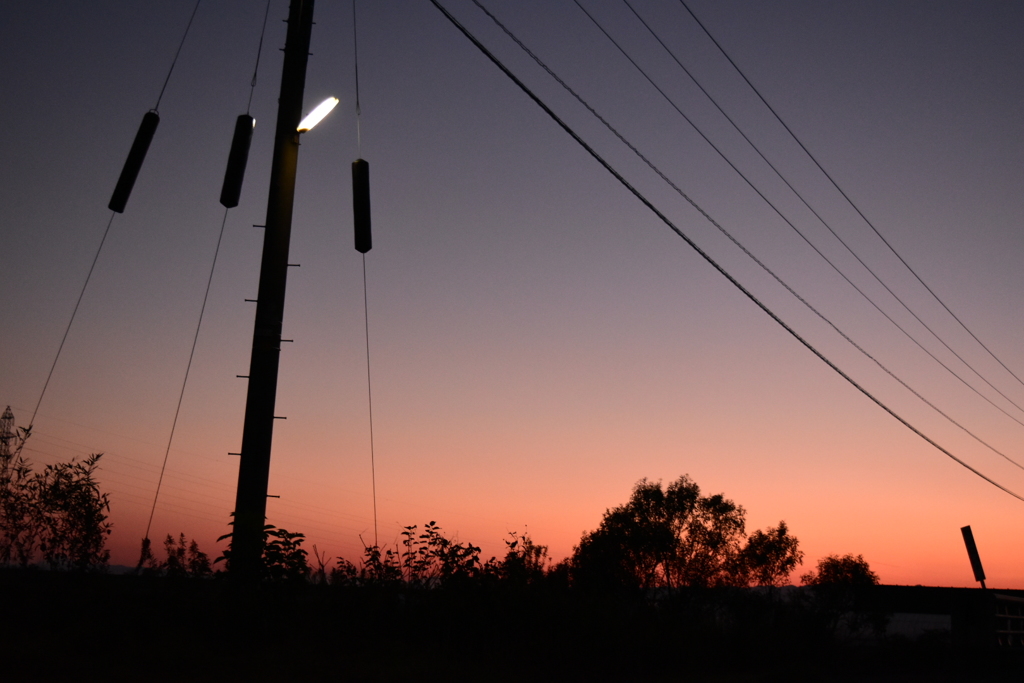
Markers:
(540, 341)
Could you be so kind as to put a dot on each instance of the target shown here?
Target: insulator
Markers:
(361, 204)
(237, 159)
(136, 156)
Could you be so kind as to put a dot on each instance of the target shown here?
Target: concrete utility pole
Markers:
(258, 431)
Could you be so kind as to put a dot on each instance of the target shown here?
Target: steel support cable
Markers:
(846, 197)
(105, 232)
(707, 257)
(739, 245)
(175, 60)
(74, 312)
(188, 367)
(209, 281)
(366, 304)
(355, 62)
(369, 399)
(259, 51)
(786, 220)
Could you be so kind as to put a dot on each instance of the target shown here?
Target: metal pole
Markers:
(258, 431)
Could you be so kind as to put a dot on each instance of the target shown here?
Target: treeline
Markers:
(663, 537)
(670, 575)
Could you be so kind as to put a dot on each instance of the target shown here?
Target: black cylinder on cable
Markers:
(237, 159)
(133, 164)
(361, 204)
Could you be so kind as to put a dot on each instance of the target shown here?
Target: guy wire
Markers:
(175, 60)
(105, 233)
(259, 51)
(73, 313)
(188, 367)
(355, 61)
(369, 399)
(366, 305)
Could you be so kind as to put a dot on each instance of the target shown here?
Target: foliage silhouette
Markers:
(72, 515)
(284, 558)
(848, 570)
(183, 559)
(427, 559)
(770, 556)
(18, 505)
(839, 587)
(59, 512)
(674, 537)
(525, 562)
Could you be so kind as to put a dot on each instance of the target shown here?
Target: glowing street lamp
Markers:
(314, 117)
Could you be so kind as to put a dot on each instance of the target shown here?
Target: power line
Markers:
(707, 257)
(790, 223)
(736, 242)
(845, 196)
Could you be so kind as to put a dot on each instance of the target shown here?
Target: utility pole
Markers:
(258, 430)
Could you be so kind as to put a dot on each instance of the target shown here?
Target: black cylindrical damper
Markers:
(237, 159)
(134, 162)
(361, 204)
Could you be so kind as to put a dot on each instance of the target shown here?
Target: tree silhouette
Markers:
(59, 512)
(839, 586)
(848, 570)
(18, 504)
(72, 514)
(770, 556)
(676, 537)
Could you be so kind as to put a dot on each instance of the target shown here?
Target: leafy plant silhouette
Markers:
(284, 558)
(19, 527)
(183, 559)
(59, 512)
(427, 559)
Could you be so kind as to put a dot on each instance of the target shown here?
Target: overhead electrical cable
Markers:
(707, 257)
(793, 226)
(736, 242)
(847, 197)
(740, 246)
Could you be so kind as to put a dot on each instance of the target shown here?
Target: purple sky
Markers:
(540, 341)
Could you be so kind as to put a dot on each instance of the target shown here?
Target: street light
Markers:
(314, 117)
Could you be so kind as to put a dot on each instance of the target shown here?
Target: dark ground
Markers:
(67, 627)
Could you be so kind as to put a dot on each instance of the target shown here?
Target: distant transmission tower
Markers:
(6, 433)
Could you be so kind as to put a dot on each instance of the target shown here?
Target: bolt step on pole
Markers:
(258, 429)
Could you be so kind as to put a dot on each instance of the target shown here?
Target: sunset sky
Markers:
(539, 339)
